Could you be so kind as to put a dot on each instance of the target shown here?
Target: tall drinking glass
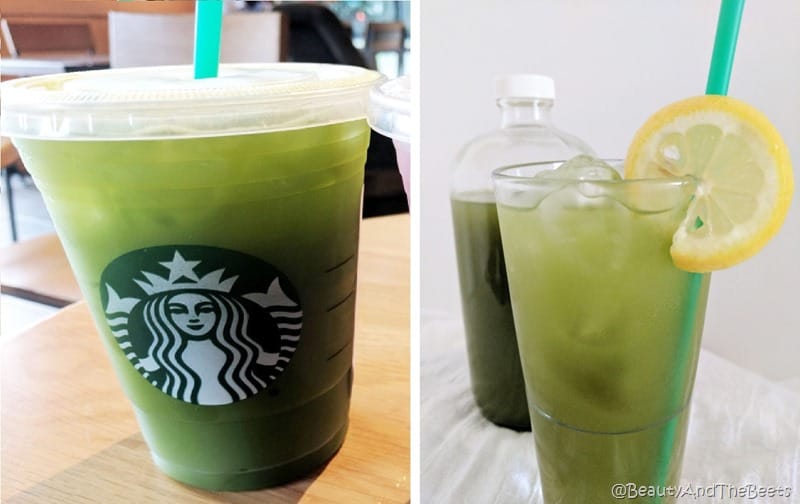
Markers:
(608, 328)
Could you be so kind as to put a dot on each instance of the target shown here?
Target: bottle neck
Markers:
(524, 111)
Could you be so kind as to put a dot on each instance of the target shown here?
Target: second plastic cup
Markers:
(213, 228)
(390, 115)
(608, 328)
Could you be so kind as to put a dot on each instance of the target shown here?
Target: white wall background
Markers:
(614, 63)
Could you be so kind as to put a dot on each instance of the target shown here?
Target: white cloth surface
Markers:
(743, 430)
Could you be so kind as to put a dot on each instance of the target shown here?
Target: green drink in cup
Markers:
(213, 228)
(608, 325)
(599, 310)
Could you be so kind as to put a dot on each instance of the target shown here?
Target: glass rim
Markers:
(500, 175)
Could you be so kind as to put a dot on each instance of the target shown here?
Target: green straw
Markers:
(207, 30)
(719, 74)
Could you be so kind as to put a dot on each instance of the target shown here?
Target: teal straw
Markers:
(207, 31)
(719, 74)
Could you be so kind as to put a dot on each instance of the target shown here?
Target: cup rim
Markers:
(246, 98)
(501, 175)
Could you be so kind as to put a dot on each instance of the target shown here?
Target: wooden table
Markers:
(37, 270)
(8, 154)
(69, 435)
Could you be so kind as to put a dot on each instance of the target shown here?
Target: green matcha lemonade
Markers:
(598, 307)
(608, 282)
(213, 228)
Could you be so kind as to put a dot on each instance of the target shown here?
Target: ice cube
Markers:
(520, 195)
(586, 182)
(582, 167)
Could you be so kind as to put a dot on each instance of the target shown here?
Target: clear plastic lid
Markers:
(390, 108)
(167, 102)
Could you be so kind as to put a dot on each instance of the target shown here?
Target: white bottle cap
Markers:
(525, 86)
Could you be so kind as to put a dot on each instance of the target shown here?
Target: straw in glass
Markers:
(719, 74)
(207, 31)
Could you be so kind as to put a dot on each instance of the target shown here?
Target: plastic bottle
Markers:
(526, 135)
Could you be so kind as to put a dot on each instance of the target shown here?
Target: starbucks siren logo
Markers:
(218, 327)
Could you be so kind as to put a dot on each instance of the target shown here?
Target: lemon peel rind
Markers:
(699, 254)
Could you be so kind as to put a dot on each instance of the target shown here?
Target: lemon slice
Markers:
(744, 177)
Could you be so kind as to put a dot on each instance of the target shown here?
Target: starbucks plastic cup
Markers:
(213, 228)
(390, 115)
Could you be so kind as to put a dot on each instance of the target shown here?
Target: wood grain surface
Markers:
(69, 435)
(37, 269)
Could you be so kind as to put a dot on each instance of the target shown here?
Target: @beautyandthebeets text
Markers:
(750, 491)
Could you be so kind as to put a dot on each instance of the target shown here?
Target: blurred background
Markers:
(378, 29)
(614, 64)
